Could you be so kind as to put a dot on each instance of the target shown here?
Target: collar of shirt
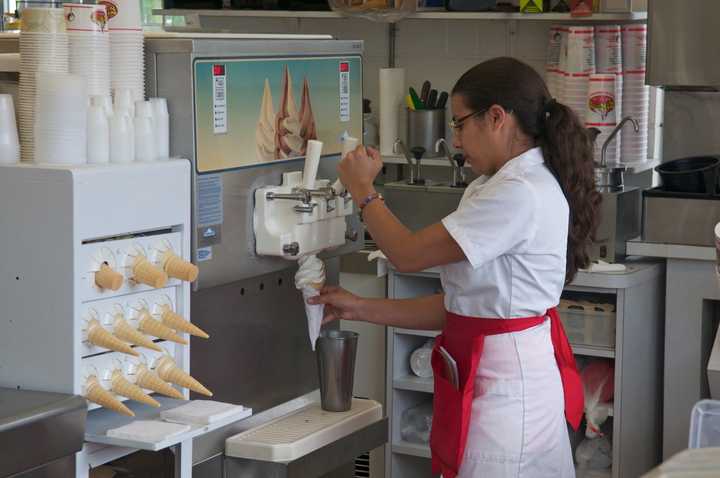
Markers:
(514, 167)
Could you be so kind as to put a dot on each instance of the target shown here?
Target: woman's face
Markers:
(479, 135)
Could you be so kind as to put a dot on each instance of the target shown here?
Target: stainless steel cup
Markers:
(424, 128)
(336, 350)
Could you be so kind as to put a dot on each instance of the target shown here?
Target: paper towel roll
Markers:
(392, 98)
(312, 162)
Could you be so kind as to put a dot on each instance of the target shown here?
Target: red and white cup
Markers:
(123, 15)
(603, 100)
(634, 45)
(85, 17)
(608, 49)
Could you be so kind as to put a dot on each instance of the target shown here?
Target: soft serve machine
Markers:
(233, 113)
(98, 282)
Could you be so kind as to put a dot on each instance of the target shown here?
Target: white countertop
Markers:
(636, 247)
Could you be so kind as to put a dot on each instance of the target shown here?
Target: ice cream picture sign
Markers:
(253, 112)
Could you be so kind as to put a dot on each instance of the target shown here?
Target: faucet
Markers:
(399, 147)
(442, 144)
(611, 137)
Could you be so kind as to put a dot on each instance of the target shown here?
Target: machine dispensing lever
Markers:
(399, 148)
(442, 144)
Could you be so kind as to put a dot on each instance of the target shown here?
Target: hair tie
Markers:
(549, 104)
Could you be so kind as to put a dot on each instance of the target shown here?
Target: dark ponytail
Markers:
(566, 144)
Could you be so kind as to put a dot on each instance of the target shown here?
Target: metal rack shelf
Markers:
(590, 351)
(414, 384)
(430, 15)
(412, 449)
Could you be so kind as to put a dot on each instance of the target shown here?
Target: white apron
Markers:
(512, 228)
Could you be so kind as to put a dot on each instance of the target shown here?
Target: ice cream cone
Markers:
(146, 273)
(126, 332)
(149, 380)
(150, 326)
(121, 386)
(97, 394)
(169, 371)
(107, 278)
(180, 269)
(97, 335)
(175, 321)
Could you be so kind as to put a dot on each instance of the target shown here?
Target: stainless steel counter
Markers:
(37, 428)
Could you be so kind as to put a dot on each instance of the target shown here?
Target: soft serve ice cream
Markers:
(265, 129)
(288, 142)
(310, 279)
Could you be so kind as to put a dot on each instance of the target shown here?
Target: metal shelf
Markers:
(412, 449)
(434, 15)
(414, 384)
(590, 351)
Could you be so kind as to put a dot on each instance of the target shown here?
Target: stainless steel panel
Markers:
(620, 221)
(681, 40)
(421, 206)
(60, 467)
(330, 461)
(690, 124)
(259, 352)
(37, 428)
(169, 74)
(680, 221)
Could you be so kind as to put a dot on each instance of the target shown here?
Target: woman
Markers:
(518, 236)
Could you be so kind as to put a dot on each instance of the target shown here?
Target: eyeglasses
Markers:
(457, 124)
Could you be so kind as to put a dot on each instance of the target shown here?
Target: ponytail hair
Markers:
(566, 144)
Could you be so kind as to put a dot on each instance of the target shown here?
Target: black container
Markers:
(470, 5)
(697, 174)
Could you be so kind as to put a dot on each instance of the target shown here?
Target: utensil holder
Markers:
(425, 127)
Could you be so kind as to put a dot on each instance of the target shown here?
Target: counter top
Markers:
(638, 271)
(636, 247)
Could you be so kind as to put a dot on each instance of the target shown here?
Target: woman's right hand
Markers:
(339, 304)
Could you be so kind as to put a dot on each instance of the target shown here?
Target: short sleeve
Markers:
(496, 219)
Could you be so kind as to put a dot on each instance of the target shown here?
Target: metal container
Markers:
(336, 350)
(424, 128)
(620, 221)
(680, 218)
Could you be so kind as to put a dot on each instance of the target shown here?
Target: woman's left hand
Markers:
(359, 168)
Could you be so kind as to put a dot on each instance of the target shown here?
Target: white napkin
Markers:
(602, 266)
(148, 430)
(314, 314)
(201, 412)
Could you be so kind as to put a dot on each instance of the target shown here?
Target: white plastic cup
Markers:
(144, 139)
(9, 142)
(162, 128)
(98, 136)
(581, 50)
(121, 138)
(105, 102)
(123, 100)
(634, 45)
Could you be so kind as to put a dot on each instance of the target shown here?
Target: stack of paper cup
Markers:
(98, 134)
(608, 49)
(579, 64)
(61, 121)
(553, 74)
(144, 132)
(603, 113)
(9, 142)
(127, 51)
(89, 45)
(43, 46)
(636, 95)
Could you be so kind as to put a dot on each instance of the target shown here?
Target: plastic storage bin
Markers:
(705, 424)
(588, 324)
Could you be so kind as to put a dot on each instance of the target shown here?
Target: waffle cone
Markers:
(152, 327)
(107, 278)
(102, 338)
(121, 386)
(177, 322)
(126, 332)
(167, 370)
(180, 269)
(146, 273)
(149, 380)
(96, 394)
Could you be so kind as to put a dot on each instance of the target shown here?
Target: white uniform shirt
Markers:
(513, 229)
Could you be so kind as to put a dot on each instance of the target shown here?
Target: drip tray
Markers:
(303, 432)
